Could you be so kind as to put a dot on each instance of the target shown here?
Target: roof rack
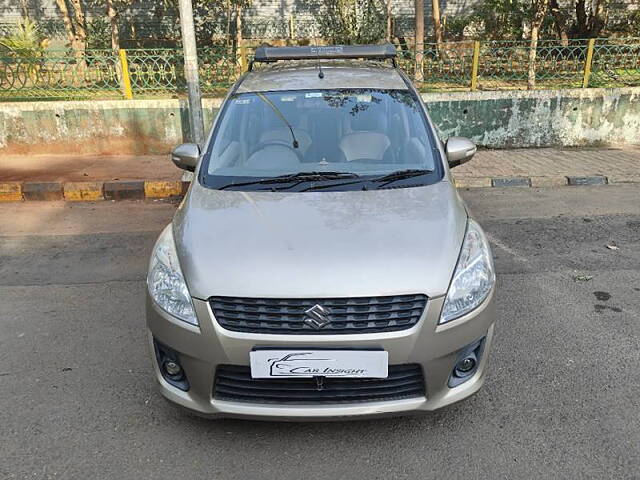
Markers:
(366, 52)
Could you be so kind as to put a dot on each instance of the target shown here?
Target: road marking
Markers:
(504, 247)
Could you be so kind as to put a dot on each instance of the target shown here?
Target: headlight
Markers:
(165, 281)
(474, 275)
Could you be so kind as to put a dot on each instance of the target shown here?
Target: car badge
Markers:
(317, 317)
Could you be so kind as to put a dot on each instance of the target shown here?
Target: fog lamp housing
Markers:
(170, 367)
(467, 364)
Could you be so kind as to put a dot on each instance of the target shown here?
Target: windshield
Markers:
(331, 135)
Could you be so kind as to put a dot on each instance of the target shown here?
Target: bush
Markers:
(98, 33)
(24, 42)
(352, 21)
(455, 26)
(502, 19)
(626, 25)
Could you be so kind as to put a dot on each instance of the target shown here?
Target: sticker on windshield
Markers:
(364, 98)
(288, 98)
(313, 95)
(243, 101)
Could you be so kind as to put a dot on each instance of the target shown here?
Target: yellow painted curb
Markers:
(83, 191)
(162, 189)
(472, 182)
(11, 192)
(623, 178)
(557, 181)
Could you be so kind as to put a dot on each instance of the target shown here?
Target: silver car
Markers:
(321, 264)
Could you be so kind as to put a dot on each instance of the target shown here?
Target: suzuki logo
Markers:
(317, 317)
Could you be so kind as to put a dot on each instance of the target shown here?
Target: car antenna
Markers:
(315, 39)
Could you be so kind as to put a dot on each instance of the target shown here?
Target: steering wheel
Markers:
(278, 143)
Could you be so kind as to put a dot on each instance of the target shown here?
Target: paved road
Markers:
(562, 400)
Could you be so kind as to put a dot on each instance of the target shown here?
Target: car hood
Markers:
(319, 244)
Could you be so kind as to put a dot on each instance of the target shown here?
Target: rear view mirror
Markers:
(186, 156)
(459, 150)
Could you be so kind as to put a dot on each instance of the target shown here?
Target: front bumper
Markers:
(435, 347)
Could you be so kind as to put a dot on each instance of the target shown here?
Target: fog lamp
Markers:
(172, 368)
(465, 366)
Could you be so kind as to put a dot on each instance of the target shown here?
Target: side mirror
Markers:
(459, 150)
(186, 156)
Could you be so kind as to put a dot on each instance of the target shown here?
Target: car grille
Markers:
(234, 383)
(346, 315)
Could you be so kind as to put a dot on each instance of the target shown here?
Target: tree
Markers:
(389, 21)
(238, 41)
(590, 20)
(74, 25)
(419, 40)
(228, 26)
(539, 11)
(113, 15)
(24, 4)
(437, 23)
(80, 22)
(560, 22)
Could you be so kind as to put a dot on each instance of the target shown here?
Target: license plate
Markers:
(270, 363)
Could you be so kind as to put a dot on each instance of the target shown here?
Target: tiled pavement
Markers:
(547, 164)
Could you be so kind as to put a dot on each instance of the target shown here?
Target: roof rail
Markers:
(367, 52)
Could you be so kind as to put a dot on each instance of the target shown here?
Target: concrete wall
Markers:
(513, 119)
(492, 119)
(97, 127)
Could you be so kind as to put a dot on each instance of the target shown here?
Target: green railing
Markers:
(505, 65)
(468, 65)
(59, 75)
(556, 66)
(615, 65)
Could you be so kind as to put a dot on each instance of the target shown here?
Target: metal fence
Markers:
(469, 65)
(505, 65)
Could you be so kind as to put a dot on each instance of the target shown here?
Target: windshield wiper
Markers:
(331, 185)
(400, 175)
(295, 177)
(277, 111)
